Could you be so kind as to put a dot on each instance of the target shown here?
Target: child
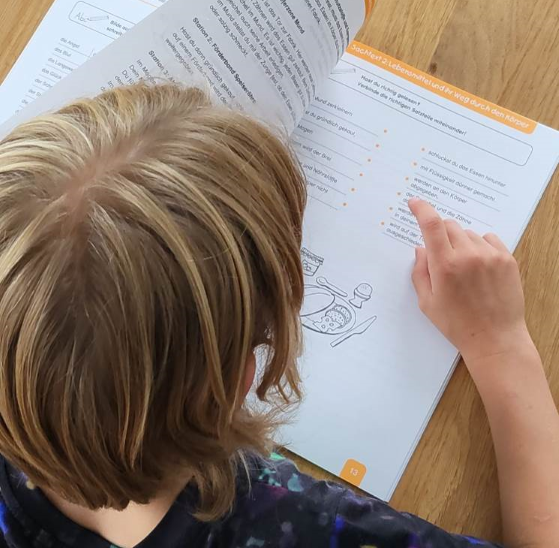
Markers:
(149, 248)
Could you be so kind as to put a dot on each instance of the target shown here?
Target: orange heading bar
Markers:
(448, 91)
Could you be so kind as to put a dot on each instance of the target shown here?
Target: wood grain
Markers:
(506, 51)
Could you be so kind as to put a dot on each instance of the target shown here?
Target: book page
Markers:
(266, 56)
(71, 33)
(379, 133)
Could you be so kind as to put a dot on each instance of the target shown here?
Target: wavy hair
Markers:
(149, 242)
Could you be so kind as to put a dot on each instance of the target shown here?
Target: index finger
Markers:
(432, 227)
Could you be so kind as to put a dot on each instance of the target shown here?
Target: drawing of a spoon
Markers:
(321, 280)
(357, 330)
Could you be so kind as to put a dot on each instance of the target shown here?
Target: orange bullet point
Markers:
(407, 178)
(399, 193)
(382, 224)
(378, 146)
(423, 149)
(385, 131)
(414, 164)
(345, 204)
(390, 209)
(353, 190)
(369, 160)
(361, 175)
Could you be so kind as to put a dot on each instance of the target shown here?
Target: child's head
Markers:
(149, 242)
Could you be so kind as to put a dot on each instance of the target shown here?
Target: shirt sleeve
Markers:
(363, 522)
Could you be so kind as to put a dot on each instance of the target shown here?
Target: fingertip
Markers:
(496, 242)
(413, 203)
(420, 256)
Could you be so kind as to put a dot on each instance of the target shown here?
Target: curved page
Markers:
(269, 56)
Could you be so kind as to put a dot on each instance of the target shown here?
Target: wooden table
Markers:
(506, 51)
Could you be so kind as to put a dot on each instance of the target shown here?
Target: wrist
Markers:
(489, 345)
(507, 363)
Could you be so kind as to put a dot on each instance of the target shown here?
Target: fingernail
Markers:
(413, 201)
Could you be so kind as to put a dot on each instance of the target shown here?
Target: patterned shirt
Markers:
(278, 507)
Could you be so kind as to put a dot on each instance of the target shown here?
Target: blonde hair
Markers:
(149, 241)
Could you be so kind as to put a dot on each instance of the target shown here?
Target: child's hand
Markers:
(469, 287)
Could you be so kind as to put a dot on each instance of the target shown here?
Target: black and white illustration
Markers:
(329, 309)
(99, 20)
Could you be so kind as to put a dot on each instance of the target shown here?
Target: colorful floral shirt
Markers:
(279, 507)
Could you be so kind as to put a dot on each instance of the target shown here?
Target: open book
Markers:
(370, 132)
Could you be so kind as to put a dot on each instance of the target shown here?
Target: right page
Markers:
(379, 133)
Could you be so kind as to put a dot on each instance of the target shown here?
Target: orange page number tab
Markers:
(354, 472)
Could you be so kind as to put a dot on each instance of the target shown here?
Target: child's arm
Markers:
(470, 288)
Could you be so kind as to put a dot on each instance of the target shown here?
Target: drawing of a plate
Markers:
(335, 319)
(317, 299)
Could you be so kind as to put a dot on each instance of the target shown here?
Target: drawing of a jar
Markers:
(311, 262)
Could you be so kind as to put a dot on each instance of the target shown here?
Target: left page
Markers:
(265, 56)
(71, 33)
